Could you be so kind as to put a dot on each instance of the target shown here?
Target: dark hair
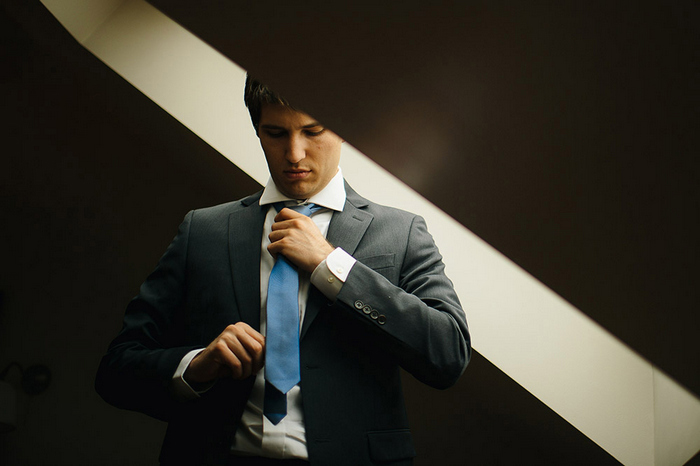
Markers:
(256, 94)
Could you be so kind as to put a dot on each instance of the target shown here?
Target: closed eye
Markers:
(315, 133)
(275, 134)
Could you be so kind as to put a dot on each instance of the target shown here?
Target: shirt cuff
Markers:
(330, 274)
(182, 390)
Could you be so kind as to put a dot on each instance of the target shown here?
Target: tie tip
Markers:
(274, 418)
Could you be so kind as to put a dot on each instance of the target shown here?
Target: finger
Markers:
(243, 360)
(288, 224)
(278, 247)
(277, 235)
(250, 344)
(254, 343)
(287, 213)
(227, 357)
(255, 334)
(256, 351)
(258, 362)
(232, 353)
(298, 221)
(240, 326)
(281, 243)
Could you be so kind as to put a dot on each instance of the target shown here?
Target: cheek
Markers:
(321, 147)
(272, 154)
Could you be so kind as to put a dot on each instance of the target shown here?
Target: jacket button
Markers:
(366, 309)
(381, 319)
(374, 315)
(359, 304)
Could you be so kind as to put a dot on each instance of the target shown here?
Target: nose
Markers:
(296, 149)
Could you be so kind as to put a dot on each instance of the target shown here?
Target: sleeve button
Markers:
(381, 319)
(374, 314)
(359, 304)
(366, 309)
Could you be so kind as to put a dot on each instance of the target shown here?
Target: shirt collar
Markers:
(331, 197)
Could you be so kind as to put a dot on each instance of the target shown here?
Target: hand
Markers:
(297, 238)
(237, 352)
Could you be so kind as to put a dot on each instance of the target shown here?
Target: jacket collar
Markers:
(245, 230)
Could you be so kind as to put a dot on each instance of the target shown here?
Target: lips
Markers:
(296, 174)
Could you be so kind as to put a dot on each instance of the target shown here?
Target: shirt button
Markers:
(339, 270)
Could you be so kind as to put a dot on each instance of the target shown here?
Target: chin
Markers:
(294, 194)
(298, 192)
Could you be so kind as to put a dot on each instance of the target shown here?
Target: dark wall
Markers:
(94, 180)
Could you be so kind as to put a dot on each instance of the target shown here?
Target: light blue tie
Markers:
(282, 371)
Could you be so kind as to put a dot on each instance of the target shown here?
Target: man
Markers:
(372, 298)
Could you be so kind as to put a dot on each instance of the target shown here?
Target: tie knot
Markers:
(304, 209)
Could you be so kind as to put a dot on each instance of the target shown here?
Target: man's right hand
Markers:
(238, 352)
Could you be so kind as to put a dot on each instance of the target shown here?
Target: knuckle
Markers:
(220, 346)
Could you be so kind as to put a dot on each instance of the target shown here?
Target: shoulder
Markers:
(215, 219)
(381, 213)
(222, 211)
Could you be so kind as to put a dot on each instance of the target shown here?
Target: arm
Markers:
(418, 315)
(137, 371)
(423, 324)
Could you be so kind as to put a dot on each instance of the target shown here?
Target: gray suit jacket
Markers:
(397, 309)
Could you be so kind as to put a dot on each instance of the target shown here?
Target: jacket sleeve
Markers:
(137, 369)
(419, 317)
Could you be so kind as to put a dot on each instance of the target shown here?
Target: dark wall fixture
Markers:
(33, 381)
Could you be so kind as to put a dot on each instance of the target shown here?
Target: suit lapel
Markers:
(345, 231)
(245, 232)
(348, 227)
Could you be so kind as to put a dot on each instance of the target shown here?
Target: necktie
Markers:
(282, 370)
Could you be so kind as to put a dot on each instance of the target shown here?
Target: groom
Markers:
(372, 298)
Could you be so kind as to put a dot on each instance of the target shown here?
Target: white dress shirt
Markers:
(256, 435)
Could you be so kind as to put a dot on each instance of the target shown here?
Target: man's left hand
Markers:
(297, 237)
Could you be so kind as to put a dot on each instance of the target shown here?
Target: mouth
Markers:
(296, 174)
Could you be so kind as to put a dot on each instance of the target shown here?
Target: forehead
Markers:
(285, 117)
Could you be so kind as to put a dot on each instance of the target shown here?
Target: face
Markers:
(302, 154)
